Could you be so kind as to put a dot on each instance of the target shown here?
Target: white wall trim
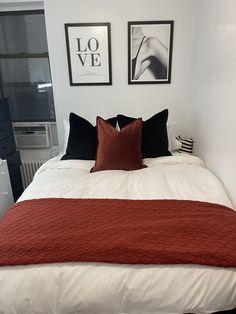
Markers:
(18, 5)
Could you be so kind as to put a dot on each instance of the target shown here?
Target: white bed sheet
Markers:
(99, 288)
(176, 177)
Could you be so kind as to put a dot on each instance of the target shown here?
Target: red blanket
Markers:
(118, 231)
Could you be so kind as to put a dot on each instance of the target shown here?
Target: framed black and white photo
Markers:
(89, 53)
(150, 52)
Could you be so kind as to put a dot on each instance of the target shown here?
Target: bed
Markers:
(100, 288)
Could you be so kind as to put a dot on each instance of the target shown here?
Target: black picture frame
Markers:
(150, 45)
(89, 53)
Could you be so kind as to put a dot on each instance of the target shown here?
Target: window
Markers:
(24, 66)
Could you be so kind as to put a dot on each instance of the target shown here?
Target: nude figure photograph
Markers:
(150, 52)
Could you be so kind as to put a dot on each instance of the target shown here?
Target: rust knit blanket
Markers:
(118, 231)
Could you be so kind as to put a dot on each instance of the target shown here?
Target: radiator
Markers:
(28, 168)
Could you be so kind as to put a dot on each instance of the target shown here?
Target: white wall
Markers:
(214, 89)
(135, 100)
(202, 95)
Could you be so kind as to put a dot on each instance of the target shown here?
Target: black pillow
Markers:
(82, 141)
(154, 134)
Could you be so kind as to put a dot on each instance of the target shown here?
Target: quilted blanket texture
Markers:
(118, 231)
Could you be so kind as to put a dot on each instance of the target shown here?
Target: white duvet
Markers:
(96, 288)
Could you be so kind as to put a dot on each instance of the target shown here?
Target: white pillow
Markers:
(174, 143)
(66, 125)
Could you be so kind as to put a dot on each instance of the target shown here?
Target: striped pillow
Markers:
(186, 145)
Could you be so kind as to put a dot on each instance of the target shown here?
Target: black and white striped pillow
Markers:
(186, 145)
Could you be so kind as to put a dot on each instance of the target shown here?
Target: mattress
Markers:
(100, 288)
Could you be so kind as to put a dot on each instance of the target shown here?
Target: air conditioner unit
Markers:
(32, 135)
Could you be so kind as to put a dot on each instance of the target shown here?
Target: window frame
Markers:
(24, 55)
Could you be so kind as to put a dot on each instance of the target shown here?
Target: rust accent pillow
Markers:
(118, 150)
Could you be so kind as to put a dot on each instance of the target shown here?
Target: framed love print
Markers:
(89, 53)
(150, 52)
